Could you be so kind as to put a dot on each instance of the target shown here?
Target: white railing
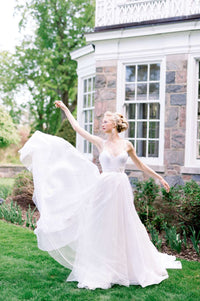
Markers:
(111, 12)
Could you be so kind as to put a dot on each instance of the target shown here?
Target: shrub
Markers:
(66, 132)
(181, 207)
(146, 194)
(11, 213)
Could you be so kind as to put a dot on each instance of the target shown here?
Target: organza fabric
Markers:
(88, 222)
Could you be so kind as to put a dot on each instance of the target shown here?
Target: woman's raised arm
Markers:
(75, 125)
(144, 167)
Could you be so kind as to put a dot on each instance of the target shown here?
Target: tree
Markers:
(44, 64)
(9, 86)
(8, 132)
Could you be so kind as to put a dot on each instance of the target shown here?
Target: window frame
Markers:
(191, 111)
(153, 161)
(87, 109)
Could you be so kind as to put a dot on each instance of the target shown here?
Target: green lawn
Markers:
(26, 273)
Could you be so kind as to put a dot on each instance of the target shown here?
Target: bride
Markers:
(88, 222)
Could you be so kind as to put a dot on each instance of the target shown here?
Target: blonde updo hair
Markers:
(119, 120)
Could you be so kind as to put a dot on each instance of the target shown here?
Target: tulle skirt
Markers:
(88, 222)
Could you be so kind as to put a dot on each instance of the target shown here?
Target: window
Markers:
(198, 115)
(88, 110)
(142, 102)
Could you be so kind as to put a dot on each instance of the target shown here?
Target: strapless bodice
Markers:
(111, 163)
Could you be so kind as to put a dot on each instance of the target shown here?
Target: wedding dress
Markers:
(88, 221)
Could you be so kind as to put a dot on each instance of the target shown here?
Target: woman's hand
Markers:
(165, 184)
(60, 104)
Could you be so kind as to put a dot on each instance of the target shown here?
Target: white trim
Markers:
(143, 31)
(120, 99)
(191, 112)
(76, 54)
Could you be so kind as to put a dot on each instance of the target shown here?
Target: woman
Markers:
(88, 221)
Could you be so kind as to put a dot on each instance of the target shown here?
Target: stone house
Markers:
(143, 60)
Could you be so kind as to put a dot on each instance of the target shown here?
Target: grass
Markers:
(26, 273)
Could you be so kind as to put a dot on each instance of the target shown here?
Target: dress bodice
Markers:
(111, 163)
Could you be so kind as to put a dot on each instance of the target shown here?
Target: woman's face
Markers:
(107, 124)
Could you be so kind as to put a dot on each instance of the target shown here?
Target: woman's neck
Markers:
(113, 136)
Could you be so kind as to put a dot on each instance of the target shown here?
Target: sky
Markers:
(9, 33)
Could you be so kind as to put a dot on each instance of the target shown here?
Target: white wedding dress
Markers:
(88, 221)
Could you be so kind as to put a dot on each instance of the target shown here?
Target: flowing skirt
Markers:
(88, 222)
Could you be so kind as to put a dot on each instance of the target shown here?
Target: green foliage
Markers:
(23, 184)
(145, 196)
(195, 238)
(155, 238)
(42, 62)
(30, 222)
(67, 132)
(9, 85)
(8, 132)
(11, 213)
(173, 238)
(182, 205)
(6, 185)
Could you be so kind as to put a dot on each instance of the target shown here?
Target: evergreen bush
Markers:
(67, 132)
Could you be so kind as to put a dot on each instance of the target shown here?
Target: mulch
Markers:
(186, 253)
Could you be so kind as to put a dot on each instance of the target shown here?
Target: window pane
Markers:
(89, 147)
(141, 148)
(89, 100)
(85, 85)
(131, 111)
(85, 146)
(85, 101)
(86, 117)
(90, 129)
(91, 116)
(89, 85)
(153, 149)
(131, 129)
(154, 111)
(199, 91)
(153, 129)
(198, 113)
(198, 149)
(199, 70)
(92, 100)
(130, 73)
(155, 72)
(142, 73)
(142, 129)
(154, 91)
(142, 111)
(93, 84)
(141, 91)
(198, 130)
(130, 92)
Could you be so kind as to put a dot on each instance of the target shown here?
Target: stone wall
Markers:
(10, 171)
(175, 116)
